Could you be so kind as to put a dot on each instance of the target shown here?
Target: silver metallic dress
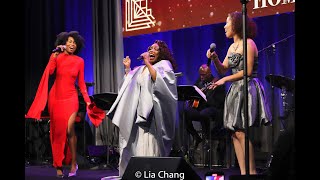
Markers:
(258, 108)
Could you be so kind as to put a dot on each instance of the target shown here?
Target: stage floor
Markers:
(47, 172)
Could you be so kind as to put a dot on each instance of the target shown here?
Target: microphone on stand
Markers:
(212, 49)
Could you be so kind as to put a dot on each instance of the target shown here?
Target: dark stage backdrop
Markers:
(45, 19)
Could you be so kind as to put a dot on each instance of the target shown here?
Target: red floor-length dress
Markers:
(62, 101)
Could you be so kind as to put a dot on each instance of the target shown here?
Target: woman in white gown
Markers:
(145, 109)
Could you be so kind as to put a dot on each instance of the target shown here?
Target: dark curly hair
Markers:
(165, 53)
(236, 20)
(63, 37)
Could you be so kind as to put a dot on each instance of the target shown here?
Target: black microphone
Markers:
(58, 49)
(140, 58)
(212, 49)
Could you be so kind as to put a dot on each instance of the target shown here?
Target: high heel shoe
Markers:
(72, 174)
(60, 176)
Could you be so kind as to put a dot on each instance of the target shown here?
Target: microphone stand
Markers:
(245, 83)
(275, 125)
(273, 45)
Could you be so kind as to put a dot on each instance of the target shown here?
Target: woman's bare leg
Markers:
(239, 146)
(239, 153)
(72, 139)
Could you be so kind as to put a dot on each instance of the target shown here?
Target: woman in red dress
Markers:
(63, 100)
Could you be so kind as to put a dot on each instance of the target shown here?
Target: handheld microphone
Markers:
(140, 58)
(58, 49)
(212, 49)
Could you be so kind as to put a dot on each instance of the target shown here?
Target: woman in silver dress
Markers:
(258, 109)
